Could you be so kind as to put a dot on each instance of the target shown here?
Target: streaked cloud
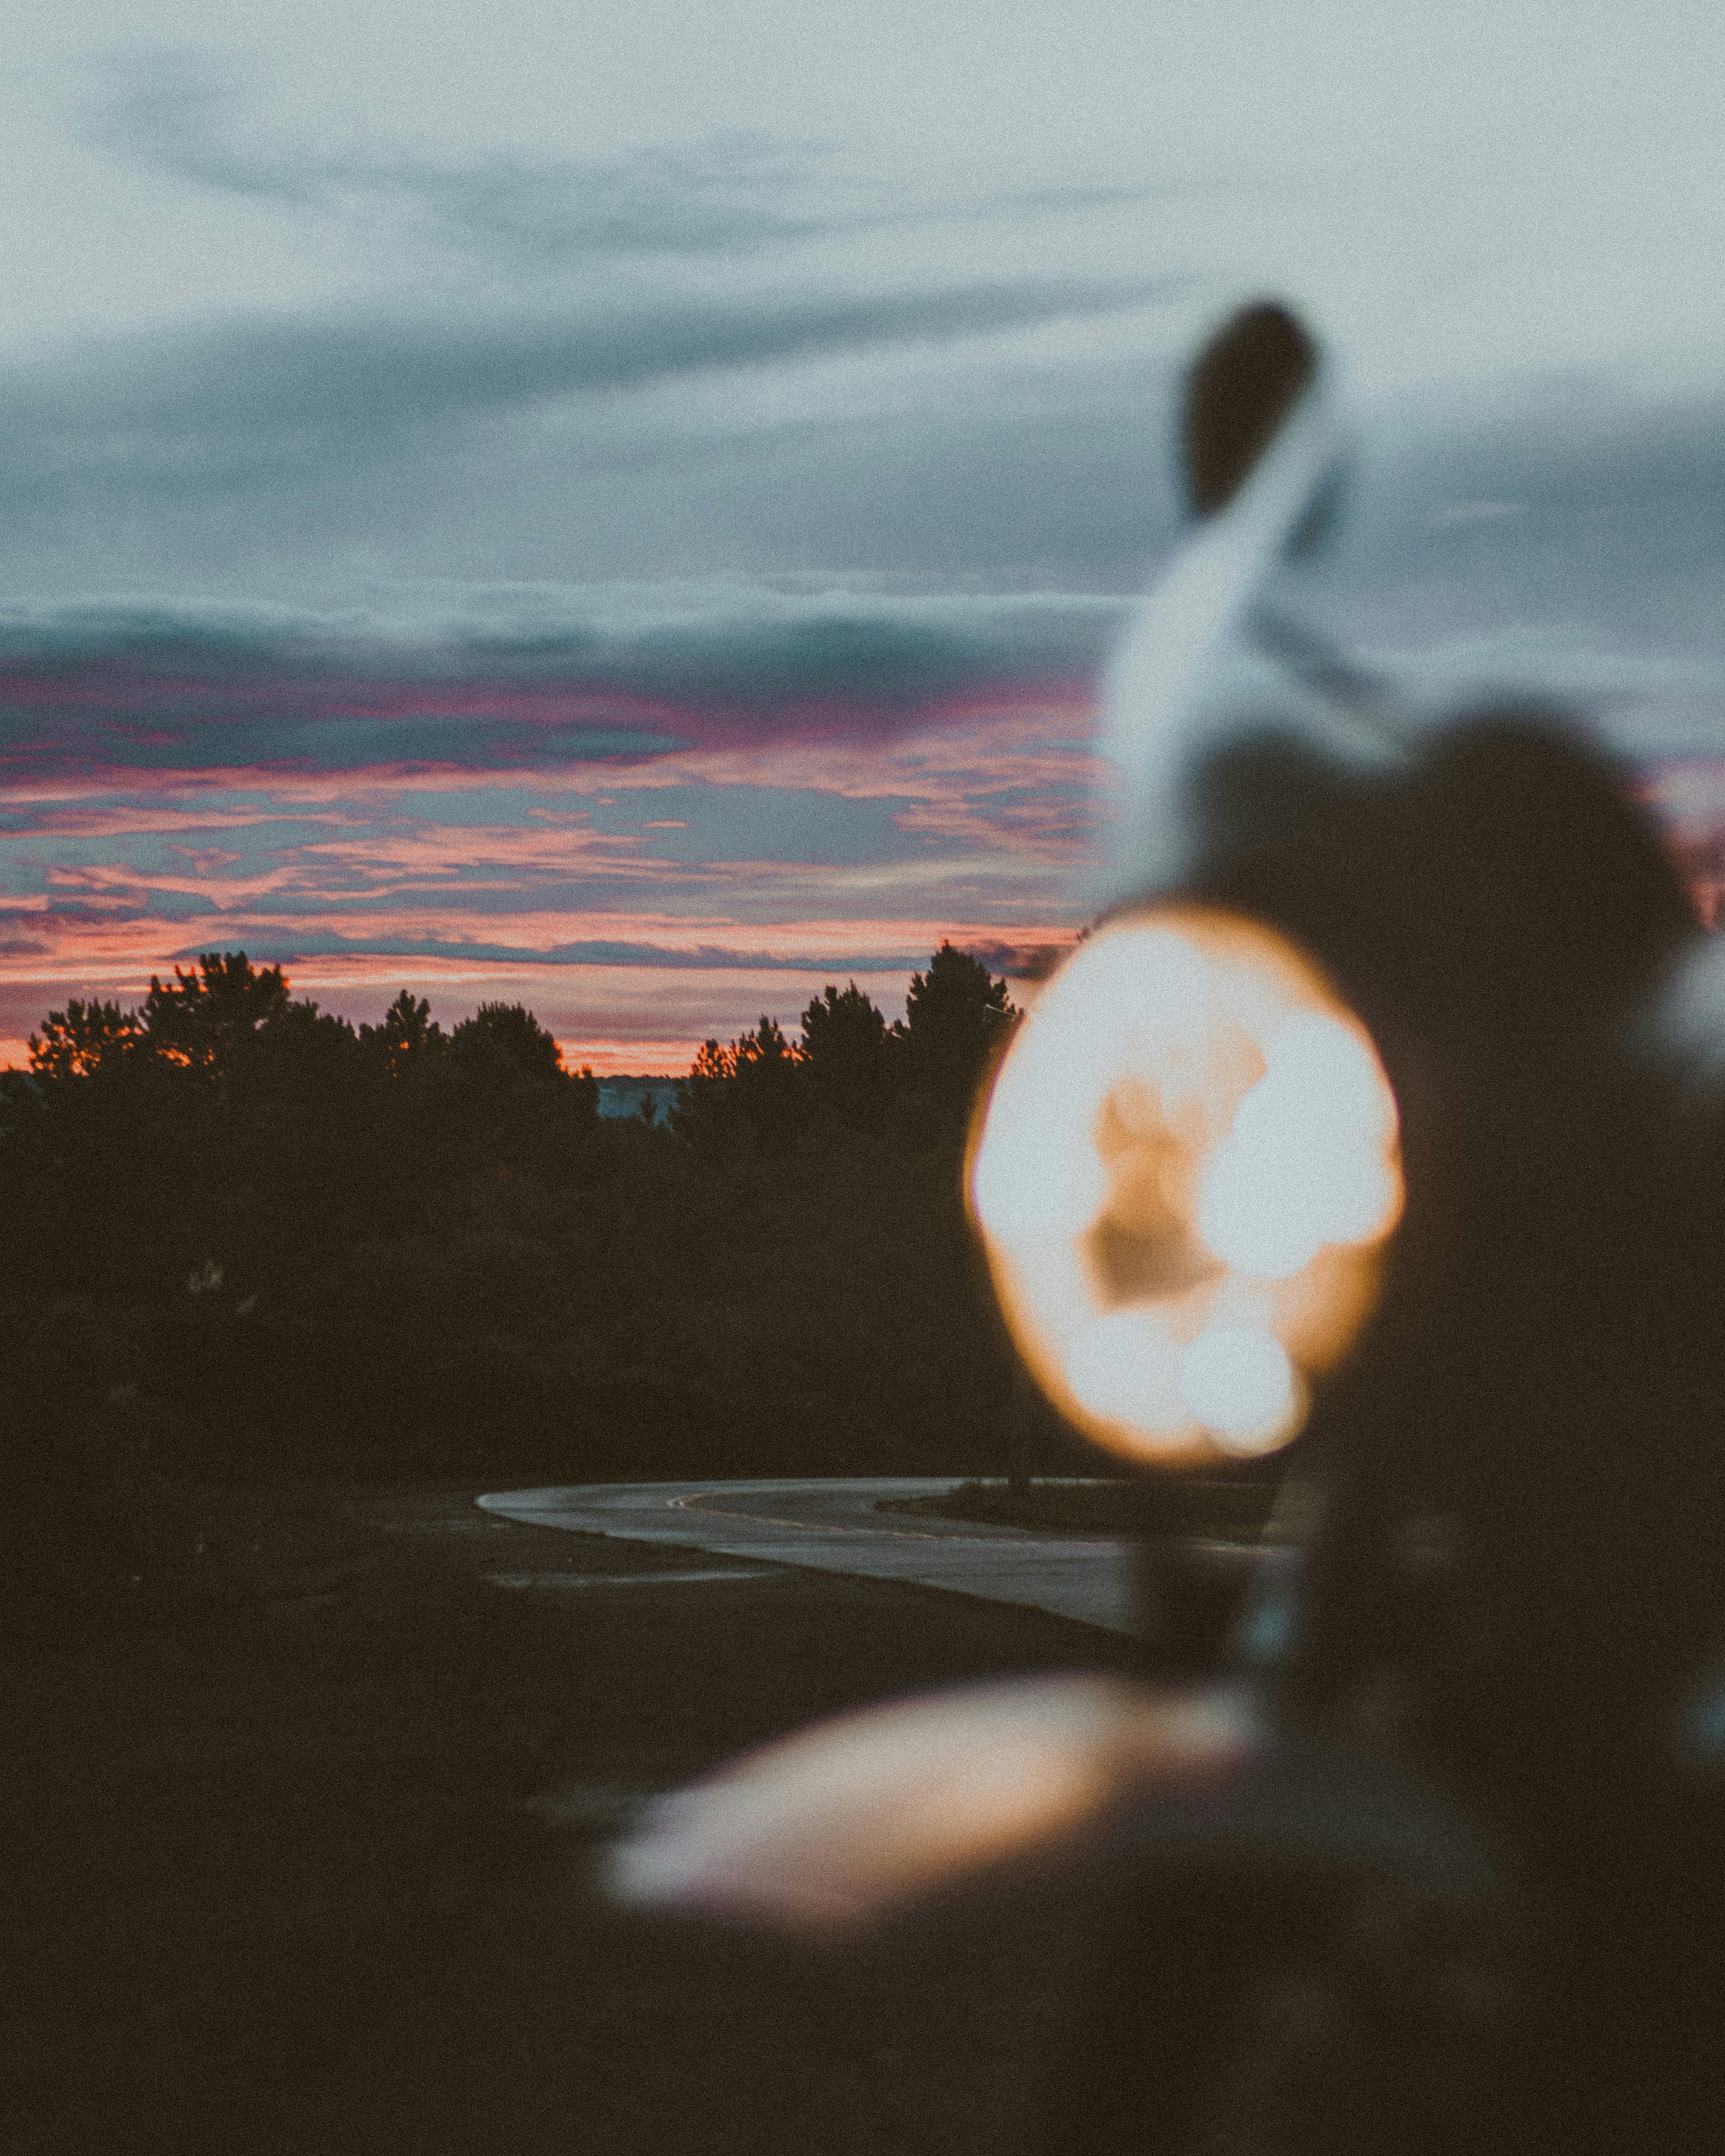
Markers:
(514, 679)
(202, 411)
(185, 114)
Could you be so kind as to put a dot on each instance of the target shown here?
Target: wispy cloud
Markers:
(203, 411)
(208, 123)
(568, 366)
(526, 679)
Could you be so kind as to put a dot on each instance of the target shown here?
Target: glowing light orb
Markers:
(1239, 1382)
(1184, 1176)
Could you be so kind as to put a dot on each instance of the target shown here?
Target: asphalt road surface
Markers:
(832, 1525)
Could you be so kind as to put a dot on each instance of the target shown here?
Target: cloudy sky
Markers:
(621, 506)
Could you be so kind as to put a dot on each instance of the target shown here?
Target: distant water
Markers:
(623, 1096)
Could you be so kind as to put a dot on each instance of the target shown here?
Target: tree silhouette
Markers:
(300, 1047)
(208, 1020)
(749, 1093)
(955, 1018)
(765, 1071)
(701, 1115)
(583, 1090)
(433, 1250)
(507, 1037)
(848, 1057)
(407, 1038)
(83, 1038)
(713, 1064)
(506, 1099)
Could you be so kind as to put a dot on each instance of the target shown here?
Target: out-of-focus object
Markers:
(838, 1827)
(1188, 1165)
(1184, 1175)
(1387, 1095)
(1263, 439)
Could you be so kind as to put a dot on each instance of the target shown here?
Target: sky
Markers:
(622, 508)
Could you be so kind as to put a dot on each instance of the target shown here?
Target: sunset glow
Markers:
(639, 898)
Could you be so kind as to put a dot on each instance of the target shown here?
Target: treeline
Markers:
(243, 1236)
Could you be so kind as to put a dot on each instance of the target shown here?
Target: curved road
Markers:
(833, 1527)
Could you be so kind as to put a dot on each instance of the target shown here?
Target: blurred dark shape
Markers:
(1321, 1958)
(1513, 887)
(1241, 389)
(1467, 1898)
(1515, 1588)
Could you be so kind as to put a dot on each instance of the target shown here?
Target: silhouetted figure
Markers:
(1509, 1625)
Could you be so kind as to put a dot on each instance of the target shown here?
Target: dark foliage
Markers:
(956, 1020)
(267, 1242)
(853, 1060)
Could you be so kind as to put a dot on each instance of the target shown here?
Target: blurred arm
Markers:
(825, 1833)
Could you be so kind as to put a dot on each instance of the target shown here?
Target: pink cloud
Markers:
(113, 819)
(993, 788)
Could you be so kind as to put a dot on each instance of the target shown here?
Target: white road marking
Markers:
(698, 1504)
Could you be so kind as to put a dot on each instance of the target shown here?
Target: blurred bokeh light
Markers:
(1183, 1177)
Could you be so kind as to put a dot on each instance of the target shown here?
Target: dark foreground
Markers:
(296, 1829)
